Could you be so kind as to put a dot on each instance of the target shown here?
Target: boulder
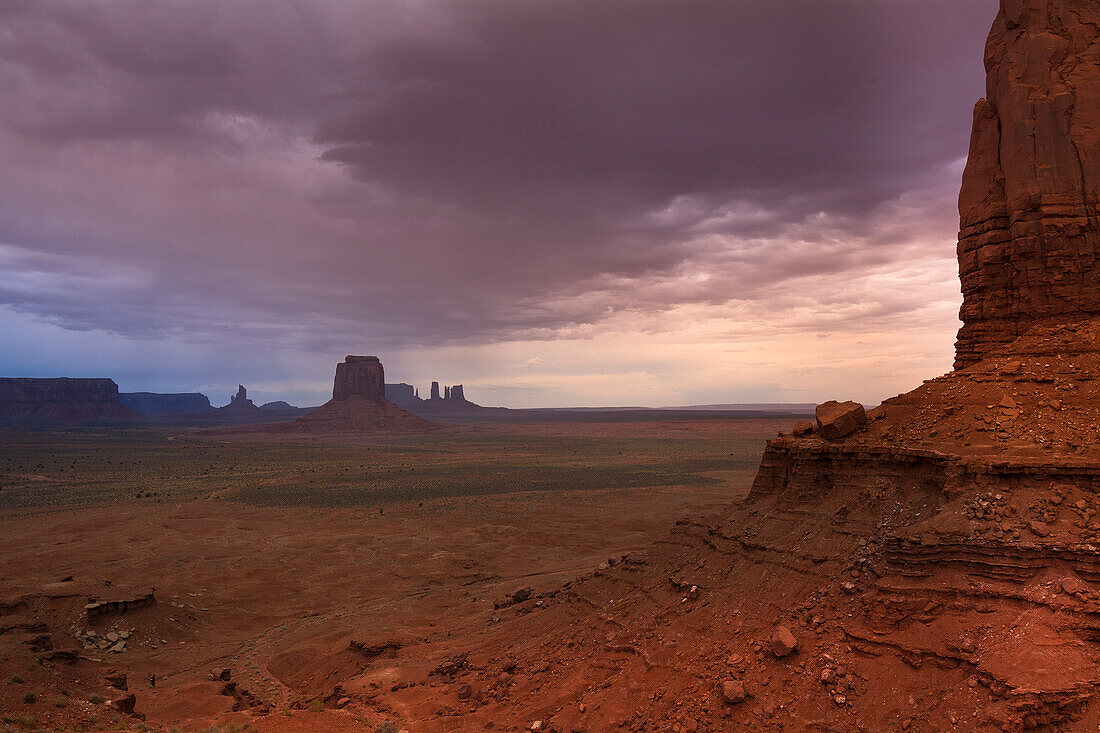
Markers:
(835, 419)
(782, 641)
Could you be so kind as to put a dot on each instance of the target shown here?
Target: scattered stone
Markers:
(517, 596)
(733, 691)
(1071, 585)
(116, 679)
(1039, 528)
(782, 641)
(451, 666)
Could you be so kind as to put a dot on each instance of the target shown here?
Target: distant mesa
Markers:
(452, 401)
(359, 402)
(156, 405)
(61, 399)
(277, 405)
(239, 403)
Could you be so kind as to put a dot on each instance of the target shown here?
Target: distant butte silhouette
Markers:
(359, 402)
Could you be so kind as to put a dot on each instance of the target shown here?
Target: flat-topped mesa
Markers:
(1029, 241)
(361, 376)
(61, 399)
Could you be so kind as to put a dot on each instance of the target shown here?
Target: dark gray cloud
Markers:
(406, 173)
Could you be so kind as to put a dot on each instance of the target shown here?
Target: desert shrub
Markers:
(96, 699)
(388, 727)
(16, 679)
(60, 701)
(315, 706)
(29, 697)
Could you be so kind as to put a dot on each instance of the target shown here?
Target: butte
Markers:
(359, 403)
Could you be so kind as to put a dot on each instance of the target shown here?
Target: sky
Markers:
(553, 202)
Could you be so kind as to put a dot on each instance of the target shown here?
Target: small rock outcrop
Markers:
(61, 399)
(277, 405)
(359, 402)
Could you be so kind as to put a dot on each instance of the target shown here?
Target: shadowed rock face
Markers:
(152, 403)
(359, 403)
(1028, 243)
(361, 376)
(240, 403)
(61, 399)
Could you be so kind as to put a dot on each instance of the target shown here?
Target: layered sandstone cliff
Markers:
(61, 399)
(1029, 241)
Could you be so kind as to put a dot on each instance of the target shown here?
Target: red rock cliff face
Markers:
(362, 376)
(1029, 240)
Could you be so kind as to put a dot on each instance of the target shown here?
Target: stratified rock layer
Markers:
(61, 399)
(1029, 243)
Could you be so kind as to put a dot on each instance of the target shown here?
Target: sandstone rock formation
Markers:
(980, 486)
(361, 376)
(452, 403)
(239, 402)
(61, 399)
(359, 402)
(1029, 245)
(152, 403)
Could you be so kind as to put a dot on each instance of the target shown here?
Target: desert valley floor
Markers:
(323, 586)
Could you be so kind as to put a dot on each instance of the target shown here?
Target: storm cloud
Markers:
(401, 177)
